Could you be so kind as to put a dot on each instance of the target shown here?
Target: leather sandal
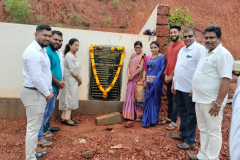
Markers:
(43, 153)
(185, 146)
(45, 144)
(165, 121)
(177, 137)
(172, 126)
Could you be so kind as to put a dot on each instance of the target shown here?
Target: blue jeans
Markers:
(47, 114)
(186, 108)
(172, 104)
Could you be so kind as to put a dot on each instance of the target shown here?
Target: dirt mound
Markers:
(131, 15)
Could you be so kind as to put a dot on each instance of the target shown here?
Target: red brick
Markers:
(163, 10)
(163, 50)
(162, 31)
(161, 19)
(112, 118)
(163, 41)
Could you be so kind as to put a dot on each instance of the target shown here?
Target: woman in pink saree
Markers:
(131, 110)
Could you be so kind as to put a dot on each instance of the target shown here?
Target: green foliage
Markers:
(116, 3)
(128, 8)
(103, 13)
(19, 11)
(108, 20)
(77, 18)
(180, 17)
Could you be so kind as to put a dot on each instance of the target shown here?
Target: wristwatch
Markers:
(216, 104)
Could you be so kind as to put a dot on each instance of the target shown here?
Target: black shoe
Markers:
(54, 129)
(73, 124)
(63, 121)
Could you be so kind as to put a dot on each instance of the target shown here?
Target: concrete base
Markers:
(13, 107)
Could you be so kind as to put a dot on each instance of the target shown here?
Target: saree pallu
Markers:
(131, 111)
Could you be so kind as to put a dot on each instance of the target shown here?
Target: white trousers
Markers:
(35, 104)
(66, 114)
(210, 132)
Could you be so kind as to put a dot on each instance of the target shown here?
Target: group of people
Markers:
(197, 80)
(46, 70)
(197, 84)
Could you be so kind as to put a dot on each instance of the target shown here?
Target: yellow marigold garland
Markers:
(105, 91)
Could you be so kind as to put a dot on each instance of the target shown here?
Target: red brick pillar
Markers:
(162, 33)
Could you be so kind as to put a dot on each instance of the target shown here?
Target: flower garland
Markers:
(105, 91)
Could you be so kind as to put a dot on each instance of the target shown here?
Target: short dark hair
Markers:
(189, 29)
(57, 32)
(138, 43)
(176, 27)
(42, 27)
(215, 29)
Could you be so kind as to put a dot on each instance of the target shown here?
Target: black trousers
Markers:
(172, 104)
(186, 109)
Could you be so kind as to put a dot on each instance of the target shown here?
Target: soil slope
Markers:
(131, 16)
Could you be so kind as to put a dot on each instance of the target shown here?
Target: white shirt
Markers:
(36, 68)
(61, 57)
(234, 139)
(186, 65)
(207, 78)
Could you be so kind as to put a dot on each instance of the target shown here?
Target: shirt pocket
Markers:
(206, 66)
(186, 61)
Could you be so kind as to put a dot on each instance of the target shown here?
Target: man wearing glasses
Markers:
(210, 86)
(187, 60)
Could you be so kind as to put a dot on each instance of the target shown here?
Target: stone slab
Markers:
(112, 118)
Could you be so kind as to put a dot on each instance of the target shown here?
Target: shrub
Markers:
(19, 11)
(181, 18)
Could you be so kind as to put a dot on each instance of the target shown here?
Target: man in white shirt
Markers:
(234, 139)
(36, 87)
(187, 60)
(210, 86)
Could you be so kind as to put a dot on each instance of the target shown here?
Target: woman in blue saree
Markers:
(153, 83)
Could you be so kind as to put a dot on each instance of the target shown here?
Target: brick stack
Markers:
(162, 29)
(162, 33)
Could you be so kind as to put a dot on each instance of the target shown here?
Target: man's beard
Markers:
(52, 46)
(175, 40)
(59, 47)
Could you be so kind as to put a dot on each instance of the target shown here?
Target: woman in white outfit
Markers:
(69, 94)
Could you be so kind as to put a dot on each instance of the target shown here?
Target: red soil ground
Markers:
(138, 143)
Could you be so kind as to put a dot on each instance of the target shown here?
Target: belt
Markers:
(33, 88)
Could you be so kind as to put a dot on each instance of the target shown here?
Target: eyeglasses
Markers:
(137, 47)
(211, 38)
(189, 36)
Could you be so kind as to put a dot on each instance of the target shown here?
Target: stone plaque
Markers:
(106, 62)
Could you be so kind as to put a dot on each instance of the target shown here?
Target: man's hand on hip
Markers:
(50, 96)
